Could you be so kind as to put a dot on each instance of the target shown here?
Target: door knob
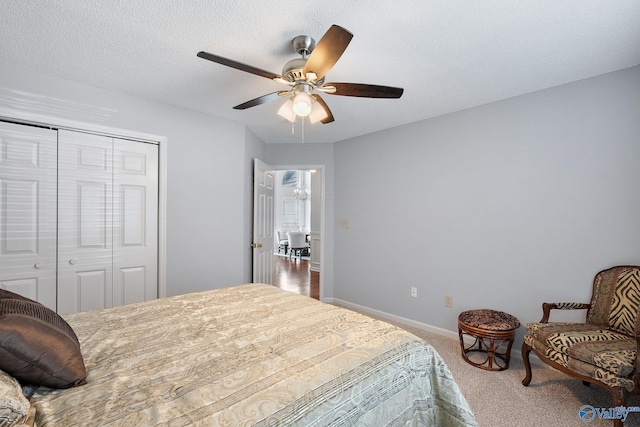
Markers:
(72, 261)
(256, 245)
(37, 265)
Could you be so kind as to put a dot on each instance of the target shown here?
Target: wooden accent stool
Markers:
(492, 331)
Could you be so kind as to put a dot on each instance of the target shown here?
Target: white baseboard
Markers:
(400, 319)
(515, 353)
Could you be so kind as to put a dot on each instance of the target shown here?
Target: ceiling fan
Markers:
(306, 76)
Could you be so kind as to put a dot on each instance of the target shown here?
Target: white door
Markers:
(135, 222)
(28, 212)
(85, 246)
(263, 180)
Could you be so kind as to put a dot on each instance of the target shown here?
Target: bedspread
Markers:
(251, 355)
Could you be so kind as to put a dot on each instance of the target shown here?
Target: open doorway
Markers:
(298, 208)
(293, 274)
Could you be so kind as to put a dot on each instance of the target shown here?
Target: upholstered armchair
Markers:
(602, 350)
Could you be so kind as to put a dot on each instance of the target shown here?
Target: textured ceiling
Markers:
(448, 55)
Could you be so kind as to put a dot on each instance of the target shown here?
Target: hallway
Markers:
(293, 274)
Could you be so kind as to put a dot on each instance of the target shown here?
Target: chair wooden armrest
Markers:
(548, 306)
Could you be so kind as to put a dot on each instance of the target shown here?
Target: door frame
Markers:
(9, 115)
(323, 215)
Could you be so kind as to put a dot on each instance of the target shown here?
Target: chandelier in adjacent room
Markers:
(302, 194)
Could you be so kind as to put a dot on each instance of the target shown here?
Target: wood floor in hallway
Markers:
(293, 274)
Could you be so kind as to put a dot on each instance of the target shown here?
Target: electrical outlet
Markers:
(345, 223)
(414, 292)
(448, 301)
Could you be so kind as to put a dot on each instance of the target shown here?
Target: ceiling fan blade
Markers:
(327, 51)
(365, 90)
(238, 65)
(259, 100)
(326, 109)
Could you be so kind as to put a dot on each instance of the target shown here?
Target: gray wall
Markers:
(502, 206)
(208, 160)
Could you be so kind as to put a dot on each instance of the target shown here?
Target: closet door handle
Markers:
(37, 265)
(72, 261)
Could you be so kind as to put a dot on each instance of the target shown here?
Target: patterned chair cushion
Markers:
(625, 303)
(541, 331)
(490, 320)
(616, 300)
(580, 367)
(586, 349)
(571, 342)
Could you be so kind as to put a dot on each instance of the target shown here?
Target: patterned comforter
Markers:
(251, 355)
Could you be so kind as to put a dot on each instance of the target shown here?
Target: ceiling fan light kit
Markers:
(306, 75)
(302, 104)
(317, 113)
(286, 111)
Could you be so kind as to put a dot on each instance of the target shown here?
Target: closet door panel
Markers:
(28, 212)
(85, 193)
(89, 289)
(135, 251)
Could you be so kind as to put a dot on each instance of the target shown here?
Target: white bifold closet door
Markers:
(28, 212)
(78, 218)
(135, 219)
(107, 221)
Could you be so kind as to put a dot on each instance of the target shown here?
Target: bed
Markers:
(249, 355)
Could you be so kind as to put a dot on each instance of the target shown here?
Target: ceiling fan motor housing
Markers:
(292, 70)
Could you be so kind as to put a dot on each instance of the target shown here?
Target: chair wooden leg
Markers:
(526, 349)
(619, 395)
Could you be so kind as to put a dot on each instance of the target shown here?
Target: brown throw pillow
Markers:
(37, 346)
(5, 294)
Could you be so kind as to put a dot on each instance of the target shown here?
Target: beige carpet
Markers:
(499, 399)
